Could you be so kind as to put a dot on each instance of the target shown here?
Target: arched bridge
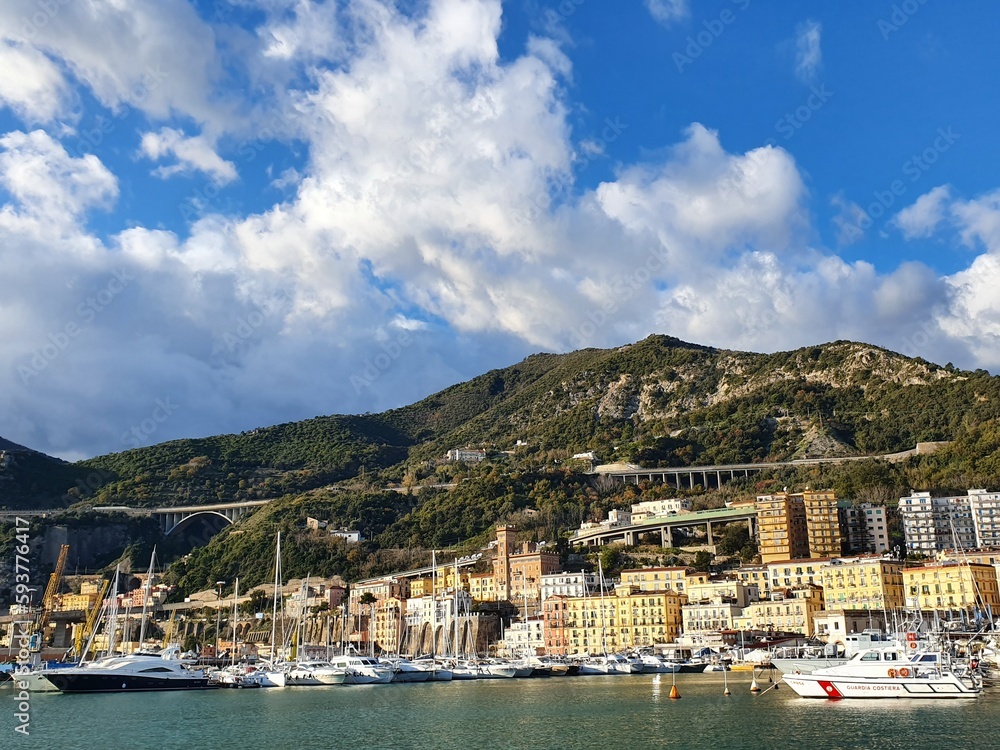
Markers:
(175, 519)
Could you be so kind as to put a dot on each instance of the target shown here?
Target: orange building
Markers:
(517, 572)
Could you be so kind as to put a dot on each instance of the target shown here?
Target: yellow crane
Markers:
(83, 634)
(48, 598)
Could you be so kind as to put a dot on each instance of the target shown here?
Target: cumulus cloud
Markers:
(193, 154)
(668, 11)
(922, 218)
(37, 92)
(47, 183)
(156, 56)
(436, 212)
(808, 53)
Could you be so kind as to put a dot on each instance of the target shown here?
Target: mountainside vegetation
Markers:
(658, 402)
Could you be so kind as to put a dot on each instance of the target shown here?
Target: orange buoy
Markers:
(904, 672)
(675, 694)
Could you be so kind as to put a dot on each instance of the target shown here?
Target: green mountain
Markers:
(660, 401)
(656, 402)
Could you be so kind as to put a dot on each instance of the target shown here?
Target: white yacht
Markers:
(139, 672)
(362, 670)
(316, 673)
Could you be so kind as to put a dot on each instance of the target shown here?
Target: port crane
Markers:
(48, 599)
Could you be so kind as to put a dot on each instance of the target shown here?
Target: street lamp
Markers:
(218, 614)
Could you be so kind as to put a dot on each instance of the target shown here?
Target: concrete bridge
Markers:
(665, 525)
(176, 519)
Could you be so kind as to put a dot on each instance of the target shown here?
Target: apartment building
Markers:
(863, 583)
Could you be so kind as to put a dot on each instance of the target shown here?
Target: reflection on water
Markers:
(559, 712)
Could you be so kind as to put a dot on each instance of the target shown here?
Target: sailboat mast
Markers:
(434, 603)
(454, 647)
(236, 596)
(146, 589)
(274, 604)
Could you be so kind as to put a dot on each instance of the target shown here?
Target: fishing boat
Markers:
(888, 672)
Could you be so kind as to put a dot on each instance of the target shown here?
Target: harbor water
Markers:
(561, 712)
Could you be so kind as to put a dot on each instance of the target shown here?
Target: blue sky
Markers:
(220, 215)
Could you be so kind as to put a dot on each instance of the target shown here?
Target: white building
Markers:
(568, 584)
(985, 507)
(468, 455)
(346, 534)
(933, 524)
(867, 530)
(649, 508)
(420, 609)
(523, 638)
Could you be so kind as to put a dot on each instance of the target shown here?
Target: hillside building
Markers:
(933, 524)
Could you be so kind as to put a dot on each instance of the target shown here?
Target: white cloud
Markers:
(668, 11)
(436, 212)
(48, 183)
(851, 221)
(36, 92)
(808, 54)
(156, 56)
(307, 31)
(922, 218)
(193, 154)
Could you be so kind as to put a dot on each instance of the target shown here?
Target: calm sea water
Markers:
(569, 712)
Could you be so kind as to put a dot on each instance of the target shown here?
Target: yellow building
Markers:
(482, 587)
(647, 617)
(421, 586)
(951, 586)
(786, 574)
(388, 624)
(823, 532)
(756, 575)
(781, 523)
(84, 602)
(661, 579)
(623, 619)
(863, 583)
(790, 611)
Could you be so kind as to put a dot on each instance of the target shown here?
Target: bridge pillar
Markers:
(708, 531)
(718, 480)
(630, 538)
(691, 479)
(666, 536)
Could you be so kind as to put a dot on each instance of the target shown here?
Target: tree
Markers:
(702, 561)
(733, 539)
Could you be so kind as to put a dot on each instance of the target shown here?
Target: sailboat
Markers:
(604, 663)
(274, 674)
